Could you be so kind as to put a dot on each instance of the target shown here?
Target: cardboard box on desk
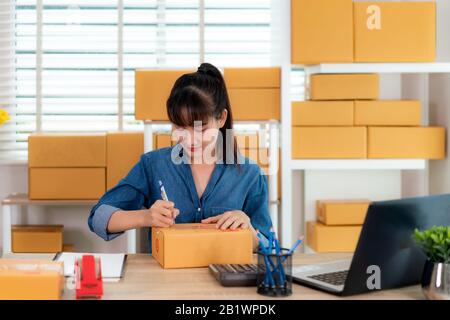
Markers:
(191, 245)
(395, 31)
(344, 86)
(31, 279)
(321, 31)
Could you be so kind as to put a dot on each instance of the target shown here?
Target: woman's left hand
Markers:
(230, 220)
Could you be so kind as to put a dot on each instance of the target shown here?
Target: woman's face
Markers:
(200, 140)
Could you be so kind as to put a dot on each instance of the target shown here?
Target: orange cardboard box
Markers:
(322, 238)
(67, 150)
(342, 212)
(68, 248)
(188, 245)
(322, 113)
(321, 31)
(401, 31)
(162, 140)
(22, 279)
(152, 88)
(252, 77)
(37, 238)
(344, 86)
(329, 142)
(254, 92)
(406, 142)
(123, 151)
(66, 183)
(388, 113)
(255, 103)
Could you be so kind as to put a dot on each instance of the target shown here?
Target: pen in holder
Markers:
(274, 276)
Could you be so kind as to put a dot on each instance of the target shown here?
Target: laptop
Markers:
(386, 256)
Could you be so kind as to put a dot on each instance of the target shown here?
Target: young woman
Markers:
(204, 176)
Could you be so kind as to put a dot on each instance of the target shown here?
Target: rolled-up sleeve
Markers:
(256, 206)
(130, 193)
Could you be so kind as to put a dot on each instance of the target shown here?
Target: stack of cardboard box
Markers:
(254, 92)
(72, 167)
(344, 120)
(338, 226)
(333, 31)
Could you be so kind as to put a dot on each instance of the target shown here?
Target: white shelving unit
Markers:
(395, 68)
(363, 164)
(306, 165)
(306, 180)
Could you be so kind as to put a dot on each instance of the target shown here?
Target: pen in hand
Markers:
(164, 196)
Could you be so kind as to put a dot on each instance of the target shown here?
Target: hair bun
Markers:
(210, 70)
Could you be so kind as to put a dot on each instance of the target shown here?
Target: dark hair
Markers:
(200, 96)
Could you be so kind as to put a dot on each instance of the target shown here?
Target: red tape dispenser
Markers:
(88, 275)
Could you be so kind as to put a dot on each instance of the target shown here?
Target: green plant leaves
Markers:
(435, 242)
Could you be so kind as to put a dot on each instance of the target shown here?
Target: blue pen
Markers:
(280, 263)
(296, 244)
(268, 279)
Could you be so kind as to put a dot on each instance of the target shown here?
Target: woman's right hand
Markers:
(160, 214)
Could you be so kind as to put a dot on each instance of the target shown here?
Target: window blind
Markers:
(74, 60)
(9, 146)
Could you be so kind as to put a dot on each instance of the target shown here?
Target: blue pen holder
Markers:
(274, 276)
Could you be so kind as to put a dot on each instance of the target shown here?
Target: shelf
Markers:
(432, 67)
(357, 164)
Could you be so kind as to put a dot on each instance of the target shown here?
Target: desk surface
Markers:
(145, 279)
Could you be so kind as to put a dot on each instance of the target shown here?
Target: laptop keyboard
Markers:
(334, 278)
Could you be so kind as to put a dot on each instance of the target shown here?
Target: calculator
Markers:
(235, 275)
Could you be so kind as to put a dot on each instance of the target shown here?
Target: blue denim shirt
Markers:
(230, 187)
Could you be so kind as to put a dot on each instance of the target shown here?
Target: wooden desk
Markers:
(145, 279)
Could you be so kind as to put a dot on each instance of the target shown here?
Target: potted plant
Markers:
(435, 242)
